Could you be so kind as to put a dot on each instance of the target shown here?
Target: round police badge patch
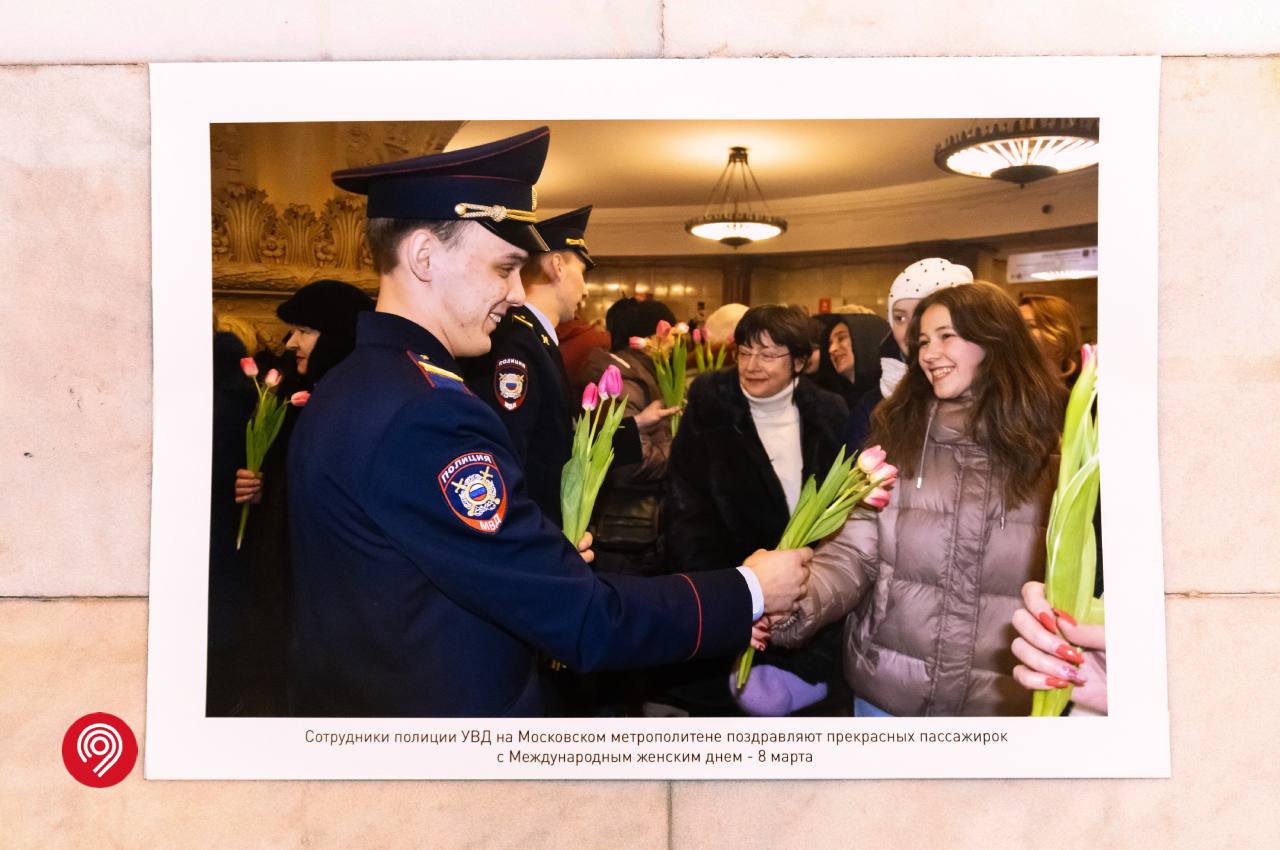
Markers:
(474, 489)
(510, 382)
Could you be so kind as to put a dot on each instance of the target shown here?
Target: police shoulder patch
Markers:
(474, 490)
(510, 382)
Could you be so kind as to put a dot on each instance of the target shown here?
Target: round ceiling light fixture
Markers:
(1028, 150)
(731, 217)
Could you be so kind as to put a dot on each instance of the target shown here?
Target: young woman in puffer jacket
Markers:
(930, 583)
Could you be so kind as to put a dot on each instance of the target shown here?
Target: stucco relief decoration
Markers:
(225, 149)
(248, 217)
(221, 238)
(302, 229)
(259, 252)
(369, 144)
(344, 217)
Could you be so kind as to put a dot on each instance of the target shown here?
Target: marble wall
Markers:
(75, 425)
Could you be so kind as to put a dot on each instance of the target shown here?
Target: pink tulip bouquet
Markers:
(580, 480)
(822, 510)
(702, 351)
(668, 350)
(263, 428)
(1070, 541)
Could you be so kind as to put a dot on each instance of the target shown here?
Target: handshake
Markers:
(783, 575)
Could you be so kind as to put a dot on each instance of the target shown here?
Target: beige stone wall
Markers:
(75, 422)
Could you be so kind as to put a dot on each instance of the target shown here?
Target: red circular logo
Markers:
(99, 750)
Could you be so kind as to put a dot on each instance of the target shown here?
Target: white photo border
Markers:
(181, 743)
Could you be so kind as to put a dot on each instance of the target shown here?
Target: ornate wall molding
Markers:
(256, 247)
(344, 222)
(226, 147)
(272, 278)
(245, 218)
(386, 141)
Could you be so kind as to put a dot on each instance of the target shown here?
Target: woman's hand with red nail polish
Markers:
(1042, 652)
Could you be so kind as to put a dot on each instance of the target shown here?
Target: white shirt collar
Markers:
(546, 323)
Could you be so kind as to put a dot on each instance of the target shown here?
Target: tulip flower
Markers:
(1070, 541)
(611, 382)
(886, 474)
(823, 509)
(681, 328)
(870, 458)
(300, 398)
(697, 336)
(877, 498)
(263, 428)
(592, 452)
(639, 343)
(664, 328)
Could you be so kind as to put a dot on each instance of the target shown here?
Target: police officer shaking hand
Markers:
(427, 581)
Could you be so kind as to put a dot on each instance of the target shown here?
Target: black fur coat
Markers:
(723, 499)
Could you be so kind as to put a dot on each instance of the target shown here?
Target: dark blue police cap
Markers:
(568, 232)
(491, 184)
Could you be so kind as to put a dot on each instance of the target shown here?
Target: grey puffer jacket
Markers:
(930, 583)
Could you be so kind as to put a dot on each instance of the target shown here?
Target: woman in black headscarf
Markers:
(848, 354)
(322, 331)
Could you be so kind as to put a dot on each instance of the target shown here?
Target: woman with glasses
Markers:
(750, 435)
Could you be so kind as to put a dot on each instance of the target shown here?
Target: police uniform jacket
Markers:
(523, 379)
(426, 579)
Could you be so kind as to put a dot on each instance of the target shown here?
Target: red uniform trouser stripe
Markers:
(698, 643)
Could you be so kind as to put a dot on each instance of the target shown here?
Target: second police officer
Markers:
(523, 376)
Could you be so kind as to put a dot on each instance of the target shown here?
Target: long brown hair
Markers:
(1055, 319)
(1017, 405)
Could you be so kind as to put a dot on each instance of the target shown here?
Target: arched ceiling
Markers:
(840, 183)
(619, 164)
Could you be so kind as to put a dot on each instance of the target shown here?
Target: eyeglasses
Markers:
(746, 355)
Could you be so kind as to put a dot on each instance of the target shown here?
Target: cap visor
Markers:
(517, 233)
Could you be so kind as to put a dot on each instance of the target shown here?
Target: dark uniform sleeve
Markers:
(505, 563)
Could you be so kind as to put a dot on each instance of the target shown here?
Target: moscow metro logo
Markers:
(99, 750)
(474, 489)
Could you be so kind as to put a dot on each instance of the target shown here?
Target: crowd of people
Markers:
(405, 556)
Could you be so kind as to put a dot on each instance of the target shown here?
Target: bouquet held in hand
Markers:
(823, 509)
(262, 429)
(1070, 542)
(580, 480)
(669, 352)
(708, 357)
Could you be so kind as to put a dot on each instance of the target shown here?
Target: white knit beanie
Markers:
(925, 277)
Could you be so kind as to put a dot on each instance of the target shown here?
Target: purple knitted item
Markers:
(773, 692)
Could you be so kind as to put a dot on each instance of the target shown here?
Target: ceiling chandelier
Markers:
(1031, 149)
(731, 217)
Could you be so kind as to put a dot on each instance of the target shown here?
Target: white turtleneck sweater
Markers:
(777, 422)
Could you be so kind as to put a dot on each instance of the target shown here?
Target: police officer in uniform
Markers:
(523, 377)
(426, 579)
